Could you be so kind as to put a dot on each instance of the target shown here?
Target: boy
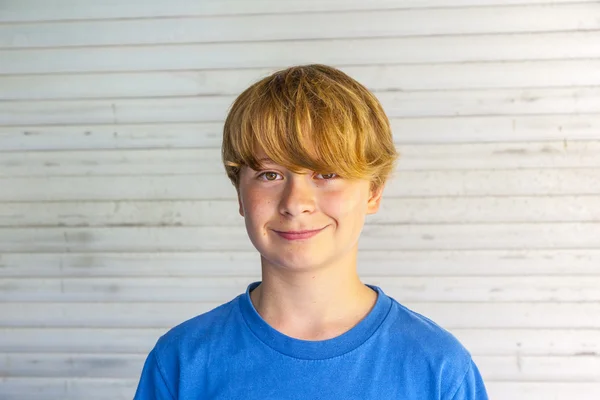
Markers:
(309, 150)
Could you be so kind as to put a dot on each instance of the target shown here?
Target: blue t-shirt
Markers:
(230, 352)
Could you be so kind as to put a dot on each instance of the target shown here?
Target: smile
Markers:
(298, 235)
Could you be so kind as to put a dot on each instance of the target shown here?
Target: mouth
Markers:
(298, 235)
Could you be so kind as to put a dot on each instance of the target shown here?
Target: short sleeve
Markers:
(472, 386)
(152, 385)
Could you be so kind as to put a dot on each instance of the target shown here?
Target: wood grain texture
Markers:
(585, 289)
(576, 154)
(433, 104)
(123, 389)
(408, 50)
(417, 210)
(265, 27)
(378, 78)
(375, 263)
(450, 315)
(445, 130)
(118, 366)
(544, 390)
(69, 388)
(112, 188)
(374, 237)
(480, 342)
(493, 182)
(36, 10)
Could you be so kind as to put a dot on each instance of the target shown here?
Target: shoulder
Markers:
(432, 348)
(425, 335)
(191, 337)
(181, 347)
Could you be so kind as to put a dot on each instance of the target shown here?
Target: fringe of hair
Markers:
(311, 117)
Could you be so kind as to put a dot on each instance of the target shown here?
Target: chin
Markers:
(295, 262)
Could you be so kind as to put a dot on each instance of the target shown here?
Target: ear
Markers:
(374, 199)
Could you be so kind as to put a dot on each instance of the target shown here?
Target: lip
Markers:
(298, 235)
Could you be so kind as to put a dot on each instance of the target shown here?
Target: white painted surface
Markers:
(111, 188)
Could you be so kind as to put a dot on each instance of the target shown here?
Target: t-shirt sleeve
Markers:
(152, 385)
(471, 387)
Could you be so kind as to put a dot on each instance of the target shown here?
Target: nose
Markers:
(298, 196)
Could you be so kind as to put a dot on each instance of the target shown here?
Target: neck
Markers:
(316, 304)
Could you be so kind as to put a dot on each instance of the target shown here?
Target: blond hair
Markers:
(311, 117)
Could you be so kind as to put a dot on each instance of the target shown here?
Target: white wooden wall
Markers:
(117, 220)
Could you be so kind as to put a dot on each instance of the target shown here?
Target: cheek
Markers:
(257, 204)
(349, 201)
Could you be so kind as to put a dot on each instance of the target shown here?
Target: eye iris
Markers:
(327, 176)
(271, 176)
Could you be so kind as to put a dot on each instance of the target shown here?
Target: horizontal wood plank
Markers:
(165, 315)
(511, 315)
(535, 342)
(378, 78)
(79, 340)
(428, 263)
(354, 24)
(559, 262)
(405, 289)
(442, 210)
(480, 342)
(529, 182)
(214, 108)
(584, 368)
(486, 209)
(412, 50)
(374, 237)
(68, 388)
(36, 10)
(124, 389)
(115, 366)
(578, 154)
(117, 221)
(544, 390)
(128, 366)
(112, 136)
(516, 129)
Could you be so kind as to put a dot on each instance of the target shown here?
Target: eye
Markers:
(327, 176)
(268, 176)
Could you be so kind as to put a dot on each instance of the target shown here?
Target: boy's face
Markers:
(303, 221)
